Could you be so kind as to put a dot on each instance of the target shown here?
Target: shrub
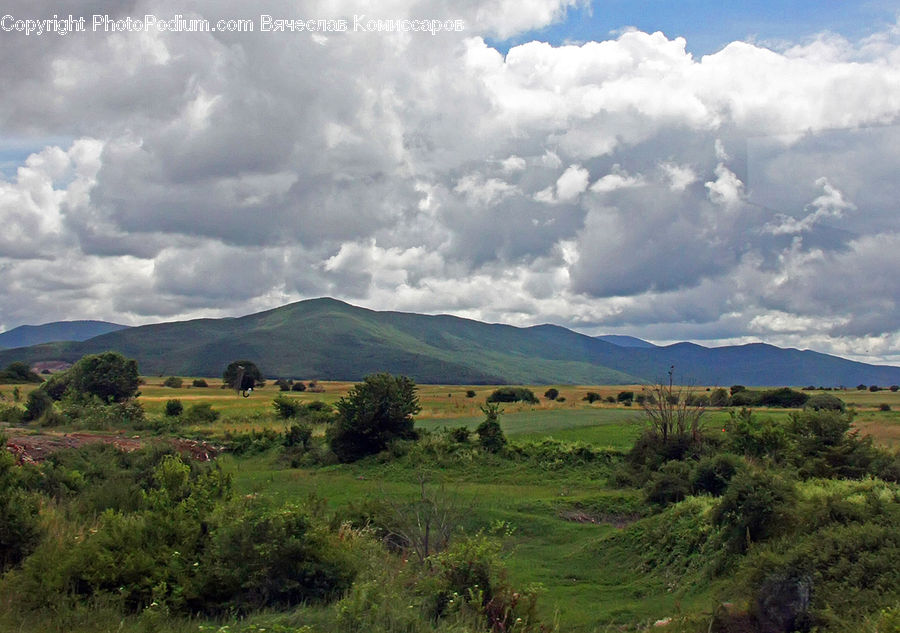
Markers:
(374, 413)
(884, 407)
(470, 393)
(756, 505)
(737, 389)
(18, 372)
(625, 396)
(874, 388)
(719, 397)
(894, 388)
(298, 435)
(200, 382)
(713, 474)
(19, 526)
(202, 413)
(513, 394)
(861, 387)
(174, 408)
(38, 403)
(287, 407)
(825, 401)
(283, 385)
(670, 484)
(551, 394)
(756, 438)
(460, 435)
(592, 396)
(490, 435)
(746, 398)
(298, 386)
(109, 376)
(173, 381)
(785, 397)
(561, 399)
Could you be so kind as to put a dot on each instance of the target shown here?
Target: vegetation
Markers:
(709, 520)
(18, 373)
(242, 375)
(513, 394)
(375, 413)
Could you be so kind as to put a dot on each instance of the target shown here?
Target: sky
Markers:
(722, 173)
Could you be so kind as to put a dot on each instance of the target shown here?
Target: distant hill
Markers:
(328, 339)
(625, 341)
(26, 335)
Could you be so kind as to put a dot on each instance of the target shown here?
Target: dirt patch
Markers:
(599, 518)
(35, 448)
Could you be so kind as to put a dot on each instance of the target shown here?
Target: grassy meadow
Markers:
(567, 523)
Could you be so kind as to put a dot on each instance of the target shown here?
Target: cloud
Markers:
(617, 185)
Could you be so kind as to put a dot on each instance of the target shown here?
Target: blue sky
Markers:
(709, 25)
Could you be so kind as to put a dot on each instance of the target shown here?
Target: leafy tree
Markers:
(251, 376)
(490, 435)
(719, 397)
(372, 415)
(625, 396)
(784, 397)
(298, 386)
(470, 393)
(592, 397)
(825, 401)
(200, 382)
(109, 376)
(551, 394)
(18, 372)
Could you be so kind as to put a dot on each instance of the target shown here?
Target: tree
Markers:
(372, 415)
(551, 394)
(490, 435)
(250, 376)
(174, 382)
(18, 372)
(109, 376)
(670, 415)
(513, 394)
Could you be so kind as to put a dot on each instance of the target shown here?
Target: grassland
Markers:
(560, 515)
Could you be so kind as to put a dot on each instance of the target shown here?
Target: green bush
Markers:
(109, 376)
(37, 405)
(20, 529)
(513, 394)
(298, 386)
(374, 413)
(625, 396)
(174, 408)
(287, 408)
(298, 435)
(174, 382)
(756, 506)
(785, 397)
(746, 398)
(670, 484)
(283, 385)
(18, 373)
(756, 438)
(719, 397)
(490, 435)
(591, 397)
(552, 393)
(712, 474)
(199, 382)
(825, 401)
(460, 435)
(201, 413)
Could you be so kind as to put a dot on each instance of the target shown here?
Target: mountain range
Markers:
(327, 339)
(26, 335)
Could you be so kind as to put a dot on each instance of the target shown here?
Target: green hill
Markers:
(328, 339)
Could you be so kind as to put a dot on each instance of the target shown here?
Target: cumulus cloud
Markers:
(619, 185)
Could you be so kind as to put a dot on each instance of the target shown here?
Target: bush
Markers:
(670, 484)
(173, 381)
(513, 394)
(756, 438)
(551, 394)
(737, 389)
(200, 382)
(19, 525)
(470, 393)
(109, 376)
(592, 396)
(174, 408)
(713, 474)
(756, 506)
(625, 396)
(894, 388)
(202, 413)
(283, 385)
(298, 386)
(825, 401)
(460, 435)
(784, 397)
(746, 398)
(874, 388)
(884, 407)
(287, 407)
(38, 403)
(298, 435)
(490, 435)
(375, 413)
(719, 397)
(18, 372)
